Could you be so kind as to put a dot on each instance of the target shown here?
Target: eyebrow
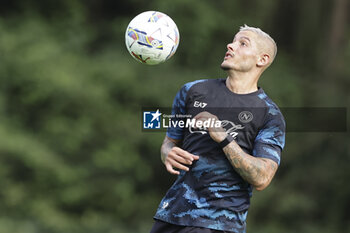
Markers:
(243, 37)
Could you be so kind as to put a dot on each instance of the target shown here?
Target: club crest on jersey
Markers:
(198, 104)
(245, 116)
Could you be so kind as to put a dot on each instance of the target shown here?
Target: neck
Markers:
(242, 82)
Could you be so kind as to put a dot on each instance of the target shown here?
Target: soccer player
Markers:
(219, 165)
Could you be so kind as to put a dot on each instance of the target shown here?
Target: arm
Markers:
(175, 157)
(256, 171)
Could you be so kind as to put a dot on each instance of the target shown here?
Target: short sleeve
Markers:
(179, 107)
(270, 140)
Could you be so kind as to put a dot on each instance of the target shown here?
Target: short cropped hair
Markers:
(260, 32)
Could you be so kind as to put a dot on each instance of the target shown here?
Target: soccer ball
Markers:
(152, 37)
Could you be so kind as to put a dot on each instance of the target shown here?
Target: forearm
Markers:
(175, 158)
(256, 171)
(166, 147)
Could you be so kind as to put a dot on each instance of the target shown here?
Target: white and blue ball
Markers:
(152, 37)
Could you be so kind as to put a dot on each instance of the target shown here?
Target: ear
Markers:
(263, 60)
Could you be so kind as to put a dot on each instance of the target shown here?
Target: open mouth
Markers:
(228, 55)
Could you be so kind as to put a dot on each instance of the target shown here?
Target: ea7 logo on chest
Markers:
(198, 104)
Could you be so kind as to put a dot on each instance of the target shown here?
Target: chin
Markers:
(224, 66)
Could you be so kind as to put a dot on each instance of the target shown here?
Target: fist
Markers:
(216, 131)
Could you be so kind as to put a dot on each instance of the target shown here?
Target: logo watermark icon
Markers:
(151, 119)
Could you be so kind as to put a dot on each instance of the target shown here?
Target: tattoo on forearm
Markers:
(256, 171)
(166, 147)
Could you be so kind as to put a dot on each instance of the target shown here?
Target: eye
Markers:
(243, 43)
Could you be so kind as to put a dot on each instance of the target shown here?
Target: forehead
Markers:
(249, 35)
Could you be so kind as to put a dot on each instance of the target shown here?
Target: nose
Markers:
(230, 47)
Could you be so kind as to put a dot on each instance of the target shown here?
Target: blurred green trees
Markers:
(73, 157)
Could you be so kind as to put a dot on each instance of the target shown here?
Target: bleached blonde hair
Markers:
(263, 35)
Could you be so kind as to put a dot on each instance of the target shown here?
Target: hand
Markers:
(218, 134)
(178, 158)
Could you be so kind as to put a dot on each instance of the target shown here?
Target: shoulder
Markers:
(189, 85)
(273, 110)
(274, 126)
(183, 93)
(202, 85)
(274, 122)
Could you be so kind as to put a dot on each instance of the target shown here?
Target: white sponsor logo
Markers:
(198, 104)
(230, 127)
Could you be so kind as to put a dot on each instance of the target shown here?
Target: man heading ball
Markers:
(218, 169)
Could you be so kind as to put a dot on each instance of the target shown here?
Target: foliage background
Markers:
(72, 157)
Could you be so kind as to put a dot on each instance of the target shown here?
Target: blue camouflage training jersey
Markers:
(212, 194)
